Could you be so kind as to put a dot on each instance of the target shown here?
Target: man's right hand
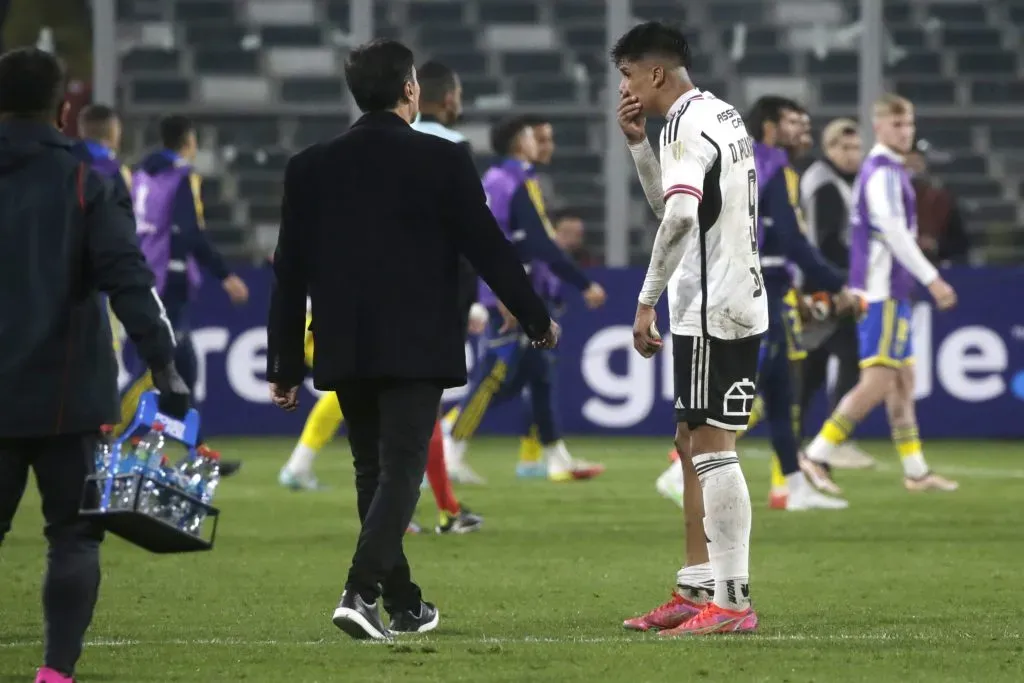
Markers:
(174, 393)
(632, 120)
(944, 295)
(594, 296)
(550, 338)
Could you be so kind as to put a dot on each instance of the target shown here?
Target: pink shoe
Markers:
(674, 612)
(715, 619)
(48, 675)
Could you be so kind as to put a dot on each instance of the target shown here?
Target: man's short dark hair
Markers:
(94, 121)
(652, 39)
(377, 73)
(174, 131)
(564, 214)
(504, 133)
(32, 83)
(533, 120)
(436, 80)
(769, 108)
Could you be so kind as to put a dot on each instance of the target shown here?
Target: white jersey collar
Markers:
(880, 149)
(683, 99)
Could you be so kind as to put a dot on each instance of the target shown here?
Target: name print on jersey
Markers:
(742, 149)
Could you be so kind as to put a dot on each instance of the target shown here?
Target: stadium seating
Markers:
(263, 78)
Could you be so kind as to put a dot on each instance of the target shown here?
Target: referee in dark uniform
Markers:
(65, 236)
(372, 225)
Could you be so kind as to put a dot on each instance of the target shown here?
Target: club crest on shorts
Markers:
(739, 399)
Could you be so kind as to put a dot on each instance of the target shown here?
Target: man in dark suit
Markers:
(65, 236)
(372, 225)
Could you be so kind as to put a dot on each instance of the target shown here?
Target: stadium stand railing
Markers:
(263, 78)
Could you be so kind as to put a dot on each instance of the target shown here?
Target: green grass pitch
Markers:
(900, 587)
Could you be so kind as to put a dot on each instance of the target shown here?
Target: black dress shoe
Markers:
(408, 621)
(358, 619)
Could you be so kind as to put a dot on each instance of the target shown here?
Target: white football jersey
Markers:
(716, 291)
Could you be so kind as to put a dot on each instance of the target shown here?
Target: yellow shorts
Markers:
(794, 327)
(309, 342)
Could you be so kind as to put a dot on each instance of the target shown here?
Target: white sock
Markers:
(447, 442)
(301, 460)
(696, 582)
(820, 450)
(914, 465)
(796, 482)
(454, 453)
(557, 457)
(727, 526)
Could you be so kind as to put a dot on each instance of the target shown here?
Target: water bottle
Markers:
(105, 450)
(123, 495)
(211, 476)
(205, 475)
(148, 458)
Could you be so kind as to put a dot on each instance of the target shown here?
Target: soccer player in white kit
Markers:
(704, 190)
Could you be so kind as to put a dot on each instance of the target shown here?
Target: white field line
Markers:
(527, 640)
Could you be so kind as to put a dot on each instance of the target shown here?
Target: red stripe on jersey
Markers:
(684, 189)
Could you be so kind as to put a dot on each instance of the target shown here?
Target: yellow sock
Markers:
(907, 441)
(836, 429)
(130, 401)
(756, 415)
(778, 480)
(323, 422)
(451, 416)
(529, 447)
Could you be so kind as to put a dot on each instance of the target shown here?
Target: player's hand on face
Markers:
(646, 339)
(550, 339)
(631, 119)
(285, 398)
(944, 295)
(594, 296)
(236, 288)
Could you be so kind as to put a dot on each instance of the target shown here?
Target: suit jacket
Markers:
(372, 226)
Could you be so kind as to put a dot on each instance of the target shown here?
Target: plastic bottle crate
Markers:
(103, 497)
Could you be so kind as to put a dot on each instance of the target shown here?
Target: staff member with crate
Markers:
(64, 238)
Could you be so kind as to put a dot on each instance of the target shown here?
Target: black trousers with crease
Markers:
(389, 427)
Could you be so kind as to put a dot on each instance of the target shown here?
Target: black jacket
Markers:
(372, 225)
(64, 238)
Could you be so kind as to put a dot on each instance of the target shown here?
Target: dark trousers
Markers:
(71, 585)
(509, 367)
(389, 427)
(843, 344)
(775, 384)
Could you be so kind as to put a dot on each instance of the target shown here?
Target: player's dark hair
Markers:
(769, 108)
(174, 131)
(532, 120)
(504, 133)
(436, 80)
(377, 72)
(565, 213)
(32, 84)
(652, 39)
(94, 121)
